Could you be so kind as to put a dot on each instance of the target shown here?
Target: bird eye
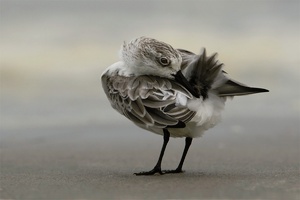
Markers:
(164, 61)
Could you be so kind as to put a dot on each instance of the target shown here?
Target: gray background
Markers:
(61, 139)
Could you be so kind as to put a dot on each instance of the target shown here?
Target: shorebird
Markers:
(170, 92)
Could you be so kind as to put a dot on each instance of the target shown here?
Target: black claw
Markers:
(175, 171)
(151, 172)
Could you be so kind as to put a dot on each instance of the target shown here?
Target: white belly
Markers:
(208, 114)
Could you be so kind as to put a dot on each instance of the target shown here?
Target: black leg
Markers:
(157, 168)
(188, 142)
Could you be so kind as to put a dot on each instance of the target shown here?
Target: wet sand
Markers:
(98, 161)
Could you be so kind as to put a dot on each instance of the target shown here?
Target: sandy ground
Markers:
(97, 162)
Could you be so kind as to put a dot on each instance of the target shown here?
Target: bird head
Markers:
(147, 56)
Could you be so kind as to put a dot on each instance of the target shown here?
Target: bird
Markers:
(170, 92)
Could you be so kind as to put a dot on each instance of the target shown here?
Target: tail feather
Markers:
(234, 88)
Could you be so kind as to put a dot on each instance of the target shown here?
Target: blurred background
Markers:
(53, 53)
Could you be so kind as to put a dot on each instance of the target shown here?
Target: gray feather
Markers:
(234, 88)
(203, 72)
(143, 100)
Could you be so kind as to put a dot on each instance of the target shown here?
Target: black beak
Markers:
(185, 83)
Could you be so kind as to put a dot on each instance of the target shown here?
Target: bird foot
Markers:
(151, 172)
(175, 171)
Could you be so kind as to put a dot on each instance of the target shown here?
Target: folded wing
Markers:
(147, 100)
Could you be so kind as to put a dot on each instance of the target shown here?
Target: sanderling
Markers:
(171, 92)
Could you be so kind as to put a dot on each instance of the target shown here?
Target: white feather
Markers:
(208, 114)
(181, 99)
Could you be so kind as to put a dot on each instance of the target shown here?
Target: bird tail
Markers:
(234, 88)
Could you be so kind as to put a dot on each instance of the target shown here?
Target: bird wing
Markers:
(200, 70)
(187, 58)
(147, 100)
(205, 73)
